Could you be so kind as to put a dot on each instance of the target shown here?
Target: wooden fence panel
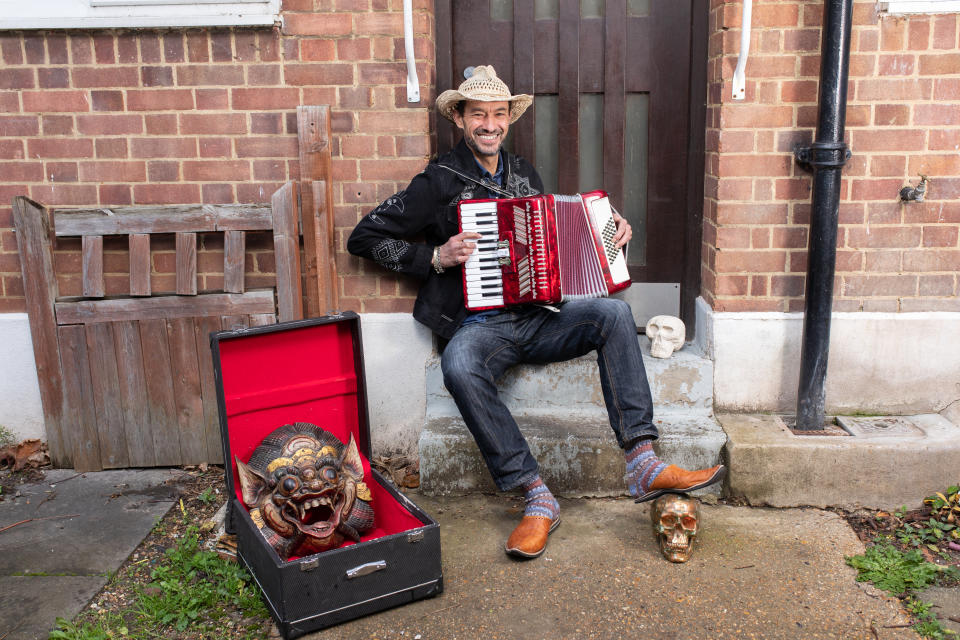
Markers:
(163, 426)
(102, 357)
(133, 392)
(79, 412)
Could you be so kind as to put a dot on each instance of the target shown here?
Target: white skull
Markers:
(666, 335)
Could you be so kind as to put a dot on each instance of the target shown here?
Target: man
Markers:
(416, 232)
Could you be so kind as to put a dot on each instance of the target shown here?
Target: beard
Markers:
(472, 140)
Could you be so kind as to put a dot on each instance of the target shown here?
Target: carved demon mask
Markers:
(305, 490)
(676, 521)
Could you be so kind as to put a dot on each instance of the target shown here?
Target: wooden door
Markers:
(619, 90)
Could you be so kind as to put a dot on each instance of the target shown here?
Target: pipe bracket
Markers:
(821, 155)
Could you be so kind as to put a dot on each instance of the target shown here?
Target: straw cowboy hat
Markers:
(483, 85)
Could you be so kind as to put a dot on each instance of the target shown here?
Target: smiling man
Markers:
(416, 232)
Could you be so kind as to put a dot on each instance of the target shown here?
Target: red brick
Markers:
(107, 100)
(939, 236)
(322, 95)
(261, 99)
(81, 48)
(111, 125)
(246, 45)
(319, 50)
(59, 101)
(418, 146)
(64, 194)
(755, 165)
(217, 193)
(734, 189)
(11, 50)
(888, 90)
(111, 148)
(163, 124)
(157, 76)
(939, 64)
(750, 116)
(21, 171)
(59, 148)
(210, 170)
(18, 79)
(103, 49)
(126, 49)
(798, 91)
(163, 171)
(792, 188)
(936, 286)
(213, 99)
(883, 237)
(354, 49)
(268, 45)
(879, 261)
(221, 46)
(919, 33)
(946, 89)
(264, 74)
(747, 304)
(11, 149)
(159, 99)
(945, 140)
(166, 193)
(215, 147)
(893, 34)
(887, 165)
(107, 76)
(877, 286)
(937, 114)
(213, 124)
(33, 47)
(316, 74)
(947, 188)
(115, 194)
(407, 122)
(19, 126)
(149, 47)
(267, 147)
(901, 64)
(776, 14)
(272, 170)
(319, 24)
(57, 125)
(265, 123)
(931, 260)
(209, 74)
(875, 189)
(163, 147)
(891, 140)
(173, 50)
(945, 31)
(935, 165)
(788, 237)
(868, 40)
(933, 211)
(891, 114)
(198, 46)
(750, 261)
(113, 171)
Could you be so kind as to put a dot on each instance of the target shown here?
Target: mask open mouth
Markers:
(315, 516)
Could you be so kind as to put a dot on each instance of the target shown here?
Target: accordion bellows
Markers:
(541, 249)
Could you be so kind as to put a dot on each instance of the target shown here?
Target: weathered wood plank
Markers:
(186, 264)
(524, 26)
(234, 245)
(232, 323)
(105, 387)
(329, 298)
(203, 327)
(186, 390)
(92, 252)
(34, 240)
(78, 406)
(568, 169)
(161, 219)
(214, 304)
(313, 135)
(286, 251)
(133, 394)
(614, 100)
(139, 244)
(262, 319)
(163, 426)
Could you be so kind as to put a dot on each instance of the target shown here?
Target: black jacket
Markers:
(402, 231)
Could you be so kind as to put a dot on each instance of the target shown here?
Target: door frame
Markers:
(690, 281)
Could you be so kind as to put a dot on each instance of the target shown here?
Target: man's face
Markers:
(484, 125)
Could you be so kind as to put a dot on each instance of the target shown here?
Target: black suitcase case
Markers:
(312, 371)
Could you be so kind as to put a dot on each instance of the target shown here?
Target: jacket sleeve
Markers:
(387, 234)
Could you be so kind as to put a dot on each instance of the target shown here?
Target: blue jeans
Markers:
(480, 352)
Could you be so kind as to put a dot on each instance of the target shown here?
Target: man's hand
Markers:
(457, 249)
(624, 231)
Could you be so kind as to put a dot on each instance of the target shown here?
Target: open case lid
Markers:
(301, 371)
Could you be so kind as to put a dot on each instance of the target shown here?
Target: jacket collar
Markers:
(468, 163)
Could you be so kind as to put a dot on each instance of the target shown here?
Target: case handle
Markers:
(366, 569)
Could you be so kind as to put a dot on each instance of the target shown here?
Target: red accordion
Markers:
(543, 249)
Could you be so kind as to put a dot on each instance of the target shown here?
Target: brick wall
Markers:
(903, 119)
(182, 116)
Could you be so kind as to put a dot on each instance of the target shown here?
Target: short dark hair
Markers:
(461, 106)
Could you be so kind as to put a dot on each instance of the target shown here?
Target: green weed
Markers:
(893, 570)
(7, 437)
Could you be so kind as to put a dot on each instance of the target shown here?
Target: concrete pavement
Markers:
(761, 573)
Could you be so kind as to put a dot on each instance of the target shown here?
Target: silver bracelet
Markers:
(436, 260)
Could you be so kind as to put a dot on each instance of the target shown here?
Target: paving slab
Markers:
(880, 467)
(755, 573)
(66, 534)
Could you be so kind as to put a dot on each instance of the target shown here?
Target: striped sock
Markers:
(643, 467)
(540, 502)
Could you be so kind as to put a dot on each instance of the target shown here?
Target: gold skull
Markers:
(676, 520)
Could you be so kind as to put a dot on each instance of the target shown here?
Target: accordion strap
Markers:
(483, 183)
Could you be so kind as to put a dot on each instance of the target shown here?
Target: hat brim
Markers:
(448, 100)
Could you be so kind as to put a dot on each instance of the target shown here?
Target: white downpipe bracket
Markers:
(413, 83)
(739, 77)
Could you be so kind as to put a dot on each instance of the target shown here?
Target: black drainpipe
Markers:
(825, 157)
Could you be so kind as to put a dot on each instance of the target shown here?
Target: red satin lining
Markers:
(306, 374)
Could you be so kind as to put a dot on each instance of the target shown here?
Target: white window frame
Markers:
(903, 7)
(108, 14)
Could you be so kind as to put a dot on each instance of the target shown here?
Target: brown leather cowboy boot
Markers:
(673, 479)
(529, 539)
